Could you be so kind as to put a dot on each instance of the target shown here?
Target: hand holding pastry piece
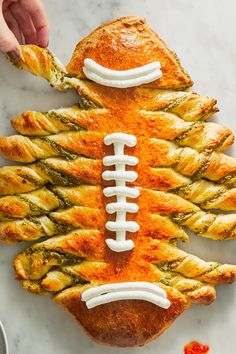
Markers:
(22, 21)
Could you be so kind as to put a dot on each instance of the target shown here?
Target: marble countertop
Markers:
(203, 34)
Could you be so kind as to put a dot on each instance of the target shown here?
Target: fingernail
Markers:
(42, 45)
(14, 55)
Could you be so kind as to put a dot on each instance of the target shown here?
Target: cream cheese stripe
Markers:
(121, 78)
(107, 293)
(121, 191)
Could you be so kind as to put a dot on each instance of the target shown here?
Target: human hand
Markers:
(22, 21)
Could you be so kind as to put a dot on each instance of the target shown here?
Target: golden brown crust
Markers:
(143, 320)
(128, 43)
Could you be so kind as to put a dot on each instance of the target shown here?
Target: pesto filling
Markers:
(175, 103)
(185, 134)
(59, 256)
(65, 153)
(64, 201)
(227, 178)
(76, 279)
(85, 103)
(58, 177)
(34, 209)
(214, 198)
(202, 168)
(181, 218)
(170, 265)
(64, 120)
(202, 229)
(170, 281)
(32, 180)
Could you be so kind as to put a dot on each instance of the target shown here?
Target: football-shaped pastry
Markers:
(108, 185)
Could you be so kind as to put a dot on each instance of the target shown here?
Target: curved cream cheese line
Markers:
(121, 191)
(121, 78)
(90, 64)
(130, 285)
(128, 295)
(123, 83)
(126, 291)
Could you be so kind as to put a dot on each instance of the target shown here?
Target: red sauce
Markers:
(195, 348)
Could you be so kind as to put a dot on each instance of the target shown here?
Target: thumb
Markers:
(8, 42)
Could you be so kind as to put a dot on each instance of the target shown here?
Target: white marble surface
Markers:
(203, 34)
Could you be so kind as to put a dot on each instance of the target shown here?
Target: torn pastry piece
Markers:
(138, 158)
(41, 62)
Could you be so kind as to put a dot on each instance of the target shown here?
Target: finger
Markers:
(13, 25)
(8, 41)
(24, 22)
(37, 13)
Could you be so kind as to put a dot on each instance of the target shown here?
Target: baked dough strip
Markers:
(70, 145)
(161, 215)
(175, 272)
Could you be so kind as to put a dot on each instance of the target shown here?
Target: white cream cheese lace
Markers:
(120, 190)
(121, 78)
(107, 293)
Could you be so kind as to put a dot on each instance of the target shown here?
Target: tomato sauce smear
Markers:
(196, 348)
